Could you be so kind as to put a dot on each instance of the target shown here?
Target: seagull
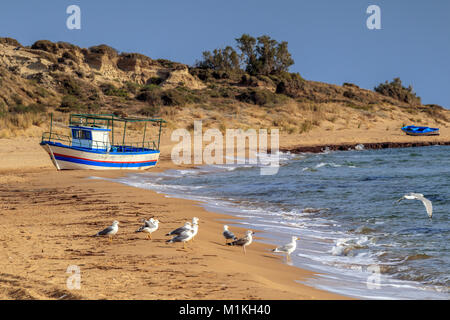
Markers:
(228, 234)
(194, 227)
(109, 231)
(187, 226)
(184, 237)
(149, 227)
(243, 242)
(288, 248)
(418, 196)
(147, 223)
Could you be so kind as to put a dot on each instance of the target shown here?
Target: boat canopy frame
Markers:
(106, 120)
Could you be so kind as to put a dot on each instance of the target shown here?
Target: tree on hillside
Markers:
(260, 56)
(264, 55)
(283, 59)
(220, 59)
(266, 50)
(246, 44)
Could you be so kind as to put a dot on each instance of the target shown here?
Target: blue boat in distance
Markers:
(420, 131)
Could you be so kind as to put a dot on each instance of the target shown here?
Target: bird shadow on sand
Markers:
(219, 243)
(271, 257)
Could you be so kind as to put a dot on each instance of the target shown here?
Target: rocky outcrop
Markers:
(96, 64)
(182, 77)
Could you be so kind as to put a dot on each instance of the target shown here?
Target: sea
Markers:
(354, 236)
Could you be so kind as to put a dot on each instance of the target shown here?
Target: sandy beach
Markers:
(48, 217)
(47, 220)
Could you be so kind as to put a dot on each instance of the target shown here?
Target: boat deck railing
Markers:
(99, 145)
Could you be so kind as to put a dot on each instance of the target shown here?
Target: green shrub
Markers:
(10, 41)
(249, 81)
(150, 86)
(155, 81)
(71, 87)
(3, 111)
(104, 49)
(288, 83)
(348, 84)
(155, 96)
(70, 103)
(110, 90)
(202, 74)
(150, 111)
(396, 90)
(222, 92)
(306, 126)
(32, 108)
(261, 97)
(45, 45)
(17, 99)
(67, 55)
(150, 95)
(93, 107)
(178, 97)
(42, 92)
(132, 87)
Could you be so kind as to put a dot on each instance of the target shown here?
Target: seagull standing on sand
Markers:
(288, 248)
(418, 196)
(109, 231)
(148, 223)
(187, 226)
(228, 234)
(184, 237)
(243, 242)
(194, 227)
(149, 227)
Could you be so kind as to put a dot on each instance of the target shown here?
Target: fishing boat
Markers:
(92, 144)
(420, 131)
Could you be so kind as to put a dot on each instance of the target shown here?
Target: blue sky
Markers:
(328, 39)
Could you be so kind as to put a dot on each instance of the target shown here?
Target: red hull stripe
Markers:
(66, 156)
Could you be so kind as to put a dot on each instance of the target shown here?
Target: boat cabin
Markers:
(91, 137)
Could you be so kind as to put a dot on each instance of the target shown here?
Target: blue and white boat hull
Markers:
(65, 157)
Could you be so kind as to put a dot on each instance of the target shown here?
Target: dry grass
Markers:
(292, 118)
(12, 124)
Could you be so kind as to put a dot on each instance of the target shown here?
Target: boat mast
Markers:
(124, 130)
(112, 130)
(143, 139)
(159, 136)
(51, 125)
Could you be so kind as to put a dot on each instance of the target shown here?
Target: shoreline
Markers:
(367, 146)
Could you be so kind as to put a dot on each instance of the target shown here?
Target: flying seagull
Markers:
(243, 242)
(187, 226)
(149, 227)
(288, 248)
(418, 196)
(184, 237)
(109, 231)
(228, 234)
